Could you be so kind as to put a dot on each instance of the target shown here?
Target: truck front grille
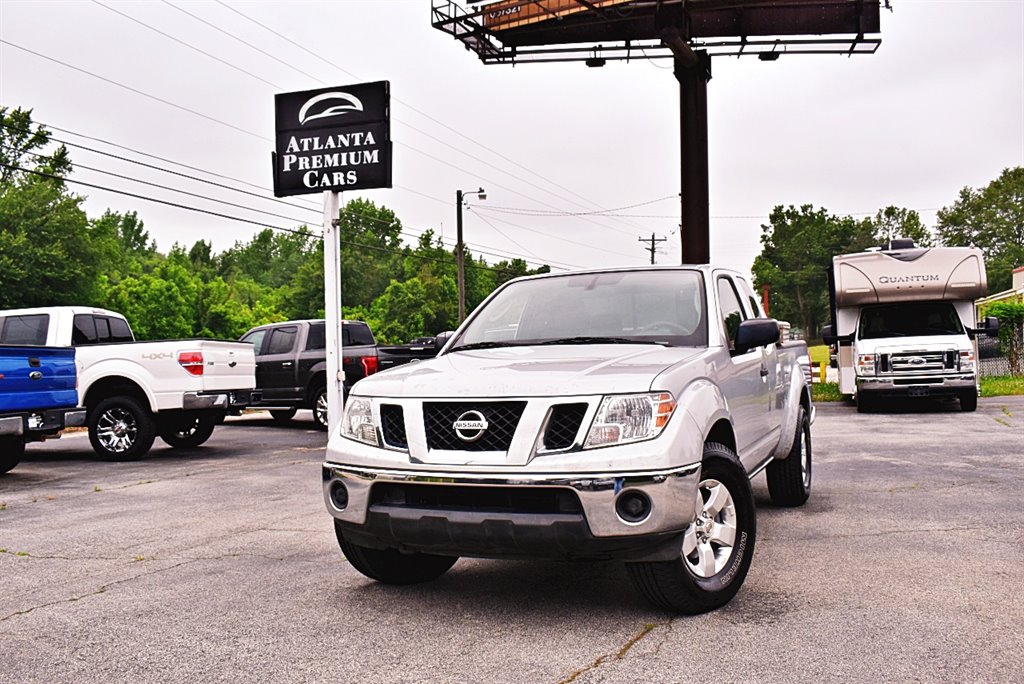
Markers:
(502, 417)
(563, 426)
(392, 425)
(922, 362)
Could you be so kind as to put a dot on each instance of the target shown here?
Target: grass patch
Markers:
(826, 391)
(1002, 386)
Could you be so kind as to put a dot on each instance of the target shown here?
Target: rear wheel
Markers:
(12, 448)
(717, 546)
(188, 431)
(969, 401)
(283, 415)
(390, 566)
(120, 429)
(320, 407)
(789, 480)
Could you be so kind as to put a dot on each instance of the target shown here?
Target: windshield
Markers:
(909, 319)
(643, 307)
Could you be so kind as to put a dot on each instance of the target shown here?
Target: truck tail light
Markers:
(192, 362)
(369, 364)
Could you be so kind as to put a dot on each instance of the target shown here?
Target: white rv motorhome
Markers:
(904, 322)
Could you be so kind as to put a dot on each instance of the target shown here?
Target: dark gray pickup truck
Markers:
(291, 363)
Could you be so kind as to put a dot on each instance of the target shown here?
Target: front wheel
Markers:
(391, 566)
(789, 480)
(320, 407)
(969, 401)
(121, 429)
(188, 431)
(717, 546)
(12, 448)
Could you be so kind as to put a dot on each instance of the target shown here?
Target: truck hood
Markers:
(889, 345)
(540, 371)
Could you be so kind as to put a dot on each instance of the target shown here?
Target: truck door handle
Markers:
(286, 364)
(35, 375)
(764, 372)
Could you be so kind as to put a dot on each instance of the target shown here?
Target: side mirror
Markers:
(441, 339)
(828, 335)
(991, 326)
(756, 332)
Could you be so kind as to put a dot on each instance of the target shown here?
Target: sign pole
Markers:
(332, 311)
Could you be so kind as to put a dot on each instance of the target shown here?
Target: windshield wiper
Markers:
(484, 345)
(582, 339)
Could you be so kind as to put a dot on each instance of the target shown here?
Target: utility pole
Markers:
(654, 241)
(460, 248)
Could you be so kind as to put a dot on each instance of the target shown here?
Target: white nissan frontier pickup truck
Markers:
(618, 413)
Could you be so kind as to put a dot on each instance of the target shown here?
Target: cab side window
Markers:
(282, 340)
(255, 338)
(732, 312)
(84, 331)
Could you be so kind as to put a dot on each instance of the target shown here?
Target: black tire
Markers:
(390, 566)
(121, 429)
(283, 416)
(969, 401)
(319, 406)
(864, 404)
(12, 448)
(789, 480)
(187, 431)
(679, 585)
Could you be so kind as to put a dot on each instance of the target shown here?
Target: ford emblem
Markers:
(916, 361)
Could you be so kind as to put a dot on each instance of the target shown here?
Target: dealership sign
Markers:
(333, 139)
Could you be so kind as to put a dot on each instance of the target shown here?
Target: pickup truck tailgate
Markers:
(37, 377)
(228, 365)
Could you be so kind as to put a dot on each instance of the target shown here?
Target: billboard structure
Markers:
(689, 32)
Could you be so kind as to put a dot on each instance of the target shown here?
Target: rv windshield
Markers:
(909, 319)
(639, 307)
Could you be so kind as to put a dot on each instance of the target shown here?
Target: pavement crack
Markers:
(102, 590)
(617, 655)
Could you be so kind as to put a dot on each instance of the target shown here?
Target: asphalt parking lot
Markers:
(219, 564)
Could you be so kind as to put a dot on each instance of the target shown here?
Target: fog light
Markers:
(339, 495)
(633, 506)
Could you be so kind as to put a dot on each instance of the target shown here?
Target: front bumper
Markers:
(511, 514)
(917, 385)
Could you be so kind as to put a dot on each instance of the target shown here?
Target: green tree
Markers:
(371, 251)
(154, 306)
(797, 250)
(399, 314)
(46, 246)
(893, 223)
(992, 219)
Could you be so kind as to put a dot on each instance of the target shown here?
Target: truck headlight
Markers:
(967, 360)
(630, 418)
(865, 364)
(357, 423)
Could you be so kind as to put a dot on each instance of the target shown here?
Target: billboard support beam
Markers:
(693, 134)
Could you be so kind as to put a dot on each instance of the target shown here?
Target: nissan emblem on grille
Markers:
(470, 426)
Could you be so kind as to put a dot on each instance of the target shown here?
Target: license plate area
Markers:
(918, 391)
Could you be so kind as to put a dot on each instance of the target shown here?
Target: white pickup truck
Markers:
(606, 414)
(134, 391)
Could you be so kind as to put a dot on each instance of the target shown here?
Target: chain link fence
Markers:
(1002, 356)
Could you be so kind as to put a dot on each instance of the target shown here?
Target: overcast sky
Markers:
(940, 106)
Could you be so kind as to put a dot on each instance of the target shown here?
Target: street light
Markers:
(460, 248)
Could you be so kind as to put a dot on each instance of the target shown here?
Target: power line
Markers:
(412, 108)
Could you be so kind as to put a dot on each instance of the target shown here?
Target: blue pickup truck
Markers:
(38, 398)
